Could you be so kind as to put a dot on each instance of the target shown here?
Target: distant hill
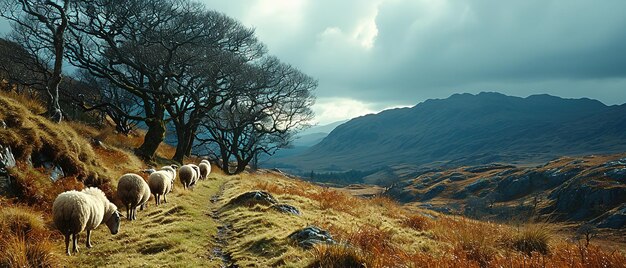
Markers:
(589, 188)
(467, 129)
(302, 142)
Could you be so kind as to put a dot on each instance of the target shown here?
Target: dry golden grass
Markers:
(375, 235)
(339, 256)
(176, 234)
(380, 233)
(24, 239)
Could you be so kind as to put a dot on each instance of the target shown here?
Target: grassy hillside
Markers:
(381, 233)
(210, 226)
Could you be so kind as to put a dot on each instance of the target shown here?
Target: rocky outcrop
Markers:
(310, 236)
(253, 198)
(285, 208)
(7, 160)
(570, 189)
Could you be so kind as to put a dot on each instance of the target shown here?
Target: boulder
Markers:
(285, 208)
(253, 198)
(7, 160)
(310, 236)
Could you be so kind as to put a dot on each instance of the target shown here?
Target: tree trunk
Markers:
(152, 139)
(180, 143)
(54, 108)
(190, 139)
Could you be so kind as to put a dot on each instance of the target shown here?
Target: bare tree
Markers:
(122, 108)
(273, 101)
(40, 27)
(209, 84)
(142, 47)
(587, 232)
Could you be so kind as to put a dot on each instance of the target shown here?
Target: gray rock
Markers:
(310, 236)
(7, 160)
(285, 208)
(253, 198)
(56, 172)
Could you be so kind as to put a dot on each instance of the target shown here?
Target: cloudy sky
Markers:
(369, 55)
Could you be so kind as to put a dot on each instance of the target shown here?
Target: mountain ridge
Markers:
(470, 129)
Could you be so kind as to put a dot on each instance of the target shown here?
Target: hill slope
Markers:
(590, 188)
(467, 129)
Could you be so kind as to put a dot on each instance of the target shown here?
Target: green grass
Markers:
(177, 234)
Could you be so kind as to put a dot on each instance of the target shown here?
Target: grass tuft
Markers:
(338, 256)
(532, 238)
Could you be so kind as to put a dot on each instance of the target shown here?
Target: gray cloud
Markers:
(385, 53)
(428, 49)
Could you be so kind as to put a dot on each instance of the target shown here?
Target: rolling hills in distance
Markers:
(465, 129)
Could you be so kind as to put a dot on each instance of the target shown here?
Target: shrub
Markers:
(532, 238)
(339, 256)
(416, 222)
(24, 239)
(19, 252)
(20, 221)
(333, 199)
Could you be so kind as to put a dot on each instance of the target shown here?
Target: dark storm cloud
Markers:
(373, 54)
(430, 48)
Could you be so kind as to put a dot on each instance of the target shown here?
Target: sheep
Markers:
(172, 170)
(160, 183)
(187, 175)
(205, 169)
(74, 212)
(133, 191)
(145, 198)
(198, 174)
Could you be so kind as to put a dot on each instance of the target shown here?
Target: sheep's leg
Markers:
(67, 244)
(88, 242)
(157, 198)
(75, 242)
(165, 198)
(135, 213)
(128, 212)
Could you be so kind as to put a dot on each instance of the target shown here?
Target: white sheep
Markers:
(160, 183)
(74, 212)
(134, 192)
(187, 175)
(196, 169)
(205, 169)
(172, 170)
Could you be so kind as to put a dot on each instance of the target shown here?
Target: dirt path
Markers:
(221, 241)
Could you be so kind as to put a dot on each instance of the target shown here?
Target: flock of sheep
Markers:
(77, 211)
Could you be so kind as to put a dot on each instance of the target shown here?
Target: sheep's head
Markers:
(114, 222)
(174, 166)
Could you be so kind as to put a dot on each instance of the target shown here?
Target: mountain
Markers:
(467, 129)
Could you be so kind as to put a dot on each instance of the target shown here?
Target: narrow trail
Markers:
(221, 238)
